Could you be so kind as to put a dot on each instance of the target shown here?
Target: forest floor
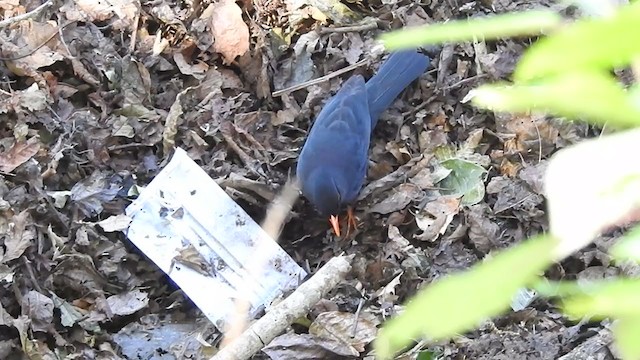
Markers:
(86, 88)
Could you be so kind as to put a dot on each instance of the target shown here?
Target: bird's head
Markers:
(324, 191)
(324, 194)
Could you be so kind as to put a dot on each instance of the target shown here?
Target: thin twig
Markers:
(30, 14)
(64, 43)
(320, 79)
(355, 321)
(535, 124)
(463, 81)
(371, 25)
(128, 146)
(134, 32)
(43, 43)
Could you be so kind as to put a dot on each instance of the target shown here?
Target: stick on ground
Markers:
(279, 317)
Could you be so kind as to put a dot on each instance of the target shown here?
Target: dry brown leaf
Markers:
(33, 98)
(307, 346)
(173, 119)
(128, 303)
(9, 4)
(91, 10)
(387, 293)
(401, 196)
(39, 308)
(32, 35)
(483, 232)
(196, 69)
(5, 318)
(435, 218)
(230, 33)
(354, 331)
(19, 239)
(19, 153)
(115, 223)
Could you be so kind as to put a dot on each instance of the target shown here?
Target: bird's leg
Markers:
(335, 224)
(351, 221)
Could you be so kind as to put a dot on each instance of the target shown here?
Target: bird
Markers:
(332, 164)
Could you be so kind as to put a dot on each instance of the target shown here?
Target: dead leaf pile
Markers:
(94, 95)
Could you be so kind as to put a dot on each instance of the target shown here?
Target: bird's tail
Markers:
(400, 69)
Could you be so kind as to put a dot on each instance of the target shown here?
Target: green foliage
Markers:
(567, 74)
(602, 299)
(626, 332)
(465, 180)
(628, 247)
(483, 28)
(594, 96)
(460, 302)
(587, 46)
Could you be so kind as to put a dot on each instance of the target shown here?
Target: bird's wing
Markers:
(339, 138)
(347, 110)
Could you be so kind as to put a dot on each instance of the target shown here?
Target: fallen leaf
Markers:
(19, 239)
(5, 318)
(128, 303)
(77, 271)
(121, 127)
(90, 193)
(19, 153)
(9, 4)
(59, 197)
(355, 331)
(196, 69)
(230, 33)
(534, 176)
(306, 346)
(115, 223)
(69, 314)
(434, 219)
(397, 246)
(300, 67)
(387, 293)
(39, 309)
(398, 199)
(33, 98)
(91, 10)
(513, 194)
(355, 50)
(466, 180)
(33, 34)
(320, 10)
(483, 232)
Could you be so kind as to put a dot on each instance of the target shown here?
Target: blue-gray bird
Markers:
(333, 162)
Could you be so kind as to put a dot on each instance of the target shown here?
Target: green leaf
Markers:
(459, 302)
(428, 355)
(628, 246)
(610, 298)
(592, 96)
(627, 332)
(494, 27)
(466, 179)
(589, 44)
(548, 288)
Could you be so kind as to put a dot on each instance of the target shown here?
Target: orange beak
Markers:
(335, 224)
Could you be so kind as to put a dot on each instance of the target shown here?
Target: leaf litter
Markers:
(94, 95)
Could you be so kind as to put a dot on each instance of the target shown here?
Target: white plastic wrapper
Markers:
(186, 224)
